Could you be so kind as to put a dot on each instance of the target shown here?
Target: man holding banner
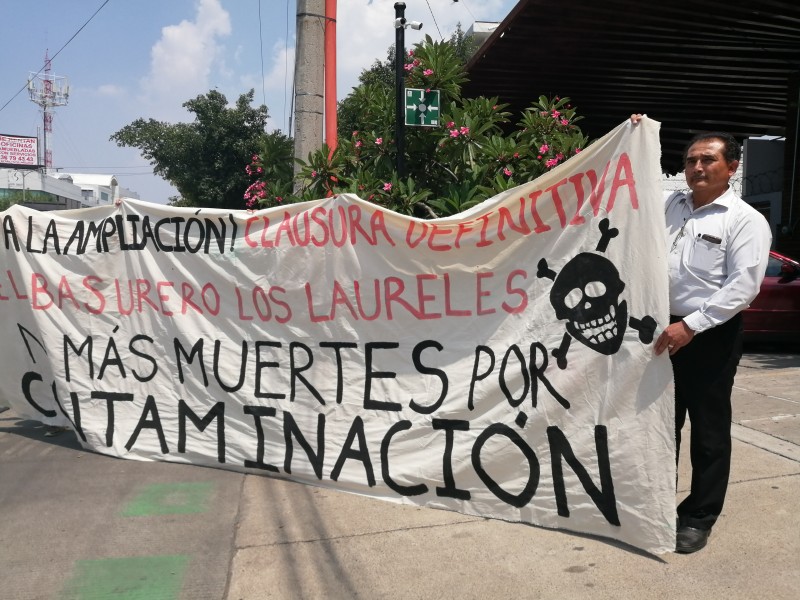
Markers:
(497, 362)
(718, 251)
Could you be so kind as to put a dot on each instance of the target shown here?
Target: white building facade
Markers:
(60, 191)
(33, 188)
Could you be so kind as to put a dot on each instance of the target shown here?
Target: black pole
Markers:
(399, 59)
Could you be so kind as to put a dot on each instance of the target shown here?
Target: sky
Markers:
(128, 59)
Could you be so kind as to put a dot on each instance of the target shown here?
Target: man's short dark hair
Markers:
(733, 151)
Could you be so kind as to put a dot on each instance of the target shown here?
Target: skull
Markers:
(586, 293)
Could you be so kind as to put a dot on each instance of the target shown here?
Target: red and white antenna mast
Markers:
(48, 91)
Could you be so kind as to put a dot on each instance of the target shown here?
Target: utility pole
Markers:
(309, 96)
(399, 110)
(400, 25)
(23, 173)
(48, 91)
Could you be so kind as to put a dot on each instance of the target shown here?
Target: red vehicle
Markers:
(774, 316)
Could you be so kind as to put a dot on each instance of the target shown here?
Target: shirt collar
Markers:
(724, 201)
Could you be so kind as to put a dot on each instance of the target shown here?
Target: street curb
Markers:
(765, 442)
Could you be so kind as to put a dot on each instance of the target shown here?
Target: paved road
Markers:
(79, 525)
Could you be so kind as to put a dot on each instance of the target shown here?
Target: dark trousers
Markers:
(704, 371)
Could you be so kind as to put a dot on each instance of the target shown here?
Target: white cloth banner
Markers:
(498, 362)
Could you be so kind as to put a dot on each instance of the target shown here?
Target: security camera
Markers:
(399, 22)
(415, 25)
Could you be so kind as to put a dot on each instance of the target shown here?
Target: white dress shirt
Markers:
(717, 256)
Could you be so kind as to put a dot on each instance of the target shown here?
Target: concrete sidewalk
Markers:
(311, 543)
(80, 525)
(301, 542)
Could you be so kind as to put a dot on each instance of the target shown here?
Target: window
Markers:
(773, 267)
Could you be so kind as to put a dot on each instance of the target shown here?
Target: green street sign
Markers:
(422, 107)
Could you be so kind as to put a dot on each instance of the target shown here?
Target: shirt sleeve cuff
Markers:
(698, 322)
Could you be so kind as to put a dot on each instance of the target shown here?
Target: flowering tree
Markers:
(271, 171)
(476, 153)
(203, 159)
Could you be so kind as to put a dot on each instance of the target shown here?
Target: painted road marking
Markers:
(170, 499)
(138, 578)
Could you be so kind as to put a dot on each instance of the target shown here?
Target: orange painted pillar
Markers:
(330, 74)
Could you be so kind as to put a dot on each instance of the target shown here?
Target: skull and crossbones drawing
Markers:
(587, 294)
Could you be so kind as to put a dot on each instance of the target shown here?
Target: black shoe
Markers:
(691, 539)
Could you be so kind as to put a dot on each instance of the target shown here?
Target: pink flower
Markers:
(494, 107)
(454, 133)
(516, 154)
(507, 171)
(559, 156)
(278, 198)
(378, 141)
(427, 72)
(355, 133)
(259, 170)
(551, 163)
(544, 148)
(411, 53)
(254, 158)
(449, 124)
(408, 66)
(387, 187)
(539, 157)
(358, 144)
(577, 150)
(565, 121)
(555, 114)
(313, 173)
(416, 62)
(465, 131)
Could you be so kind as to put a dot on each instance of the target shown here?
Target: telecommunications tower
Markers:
(48, 91)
